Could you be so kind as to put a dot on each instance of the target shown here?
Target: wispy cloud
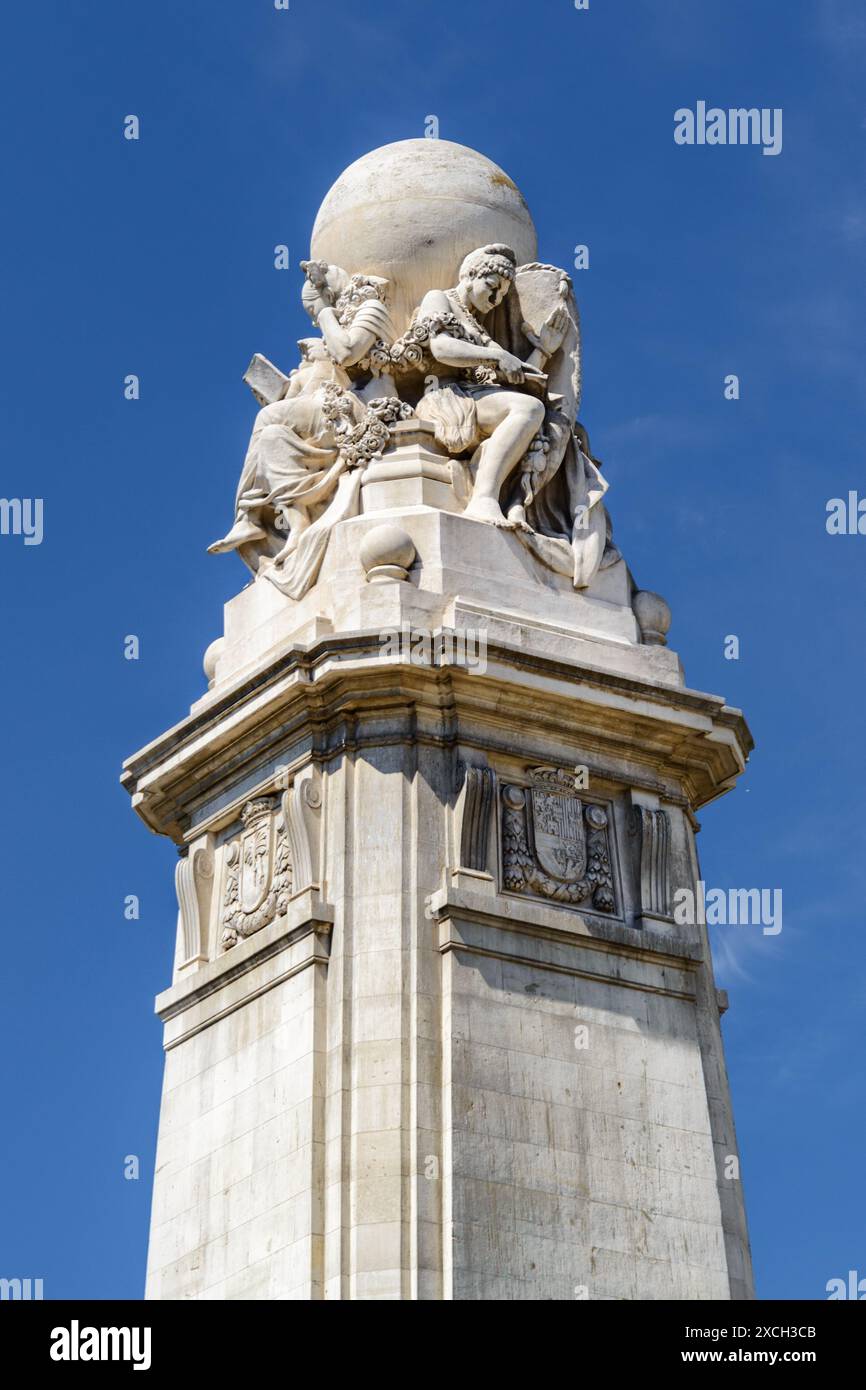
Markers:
(854, 225)
(842, 26)
(742, 953)
(646, 438)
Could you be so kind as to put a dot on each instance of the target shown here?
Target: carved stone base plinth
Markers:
(433, 1032)
(466, 575)
(414, 472)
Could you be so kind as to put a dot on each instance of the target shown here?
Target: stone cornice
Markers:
(339, 693)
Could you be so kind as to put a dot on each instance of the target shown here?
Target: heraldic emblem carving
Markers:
(258, 877)
(554, 844)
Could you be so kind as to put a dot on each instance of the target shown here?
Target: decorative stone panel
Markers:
(557, 845)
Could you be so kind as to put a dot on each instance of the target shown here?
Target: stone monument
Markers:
(433, 1030)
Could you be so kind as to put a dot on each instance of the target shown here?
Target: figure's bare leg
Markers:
(510, 420)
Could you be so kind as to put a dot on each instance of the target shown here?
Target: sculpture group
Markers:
(491, 364)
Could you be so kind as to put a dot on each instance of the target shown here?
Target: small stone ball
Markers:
(654, 617)
(387, 545)
(211, 657)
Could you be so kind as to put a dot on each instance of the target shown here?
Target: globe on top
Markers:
(412, 210)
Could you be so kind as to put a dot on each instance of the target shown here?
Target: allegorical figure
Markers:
(481, 394)
(301, 474)
(500, 353)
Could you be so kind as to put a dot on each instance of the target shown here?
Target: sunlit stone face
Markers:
(487, 292)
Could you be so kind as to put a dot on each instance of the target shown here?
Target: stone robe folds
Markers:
(298, 475)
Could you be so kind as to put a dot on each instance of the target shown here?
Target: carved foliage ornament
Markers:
(359, 442)
(556, 845)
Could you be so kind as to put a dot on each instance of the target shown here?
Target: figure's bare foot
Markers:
(517, 518)
(241, 533)
(486, 509)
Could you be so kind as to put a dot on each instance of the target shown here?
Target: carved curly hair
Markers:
(495, 259)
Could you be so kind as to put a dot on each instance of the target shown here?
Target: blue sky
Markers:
(156, 258)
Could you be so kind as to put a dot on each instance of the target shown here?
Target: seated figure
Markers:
(500, 354)
(481, 394)
(300, 474)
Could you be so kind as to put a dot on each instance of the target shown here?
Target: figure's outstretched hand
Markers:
(550, 335)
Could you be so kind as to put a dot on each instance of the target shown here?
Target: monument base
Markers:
(434, 1033)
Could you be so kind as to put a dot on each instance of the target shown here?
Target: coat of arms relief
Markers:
(258, 872)
(555, 844)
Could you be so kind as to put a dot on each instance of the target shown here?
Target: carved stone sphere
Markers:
(211, 657)
(387, 552)
(654, 617)
(411, 211)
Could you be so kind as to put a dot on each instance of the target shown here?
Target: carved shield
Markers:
(256, 866)
(560, 838)
(536, 291)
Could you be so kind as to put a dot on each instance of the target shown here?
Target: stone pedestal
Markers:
(433, 1032)
(414, 473)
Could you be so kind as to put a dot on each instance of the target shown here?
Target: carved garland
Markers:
(412, 351)
(358, 443)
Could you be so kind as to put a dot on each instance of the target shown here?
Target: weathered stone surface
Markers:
(433, 1032)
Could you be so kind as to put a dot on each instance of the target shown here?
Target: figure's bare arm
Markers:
(346, 345)
(451, 351)
(456, 352)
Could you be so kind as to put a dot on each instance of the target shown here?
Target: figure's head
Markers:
(486, 275)
(323, 284)
(312, 351)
